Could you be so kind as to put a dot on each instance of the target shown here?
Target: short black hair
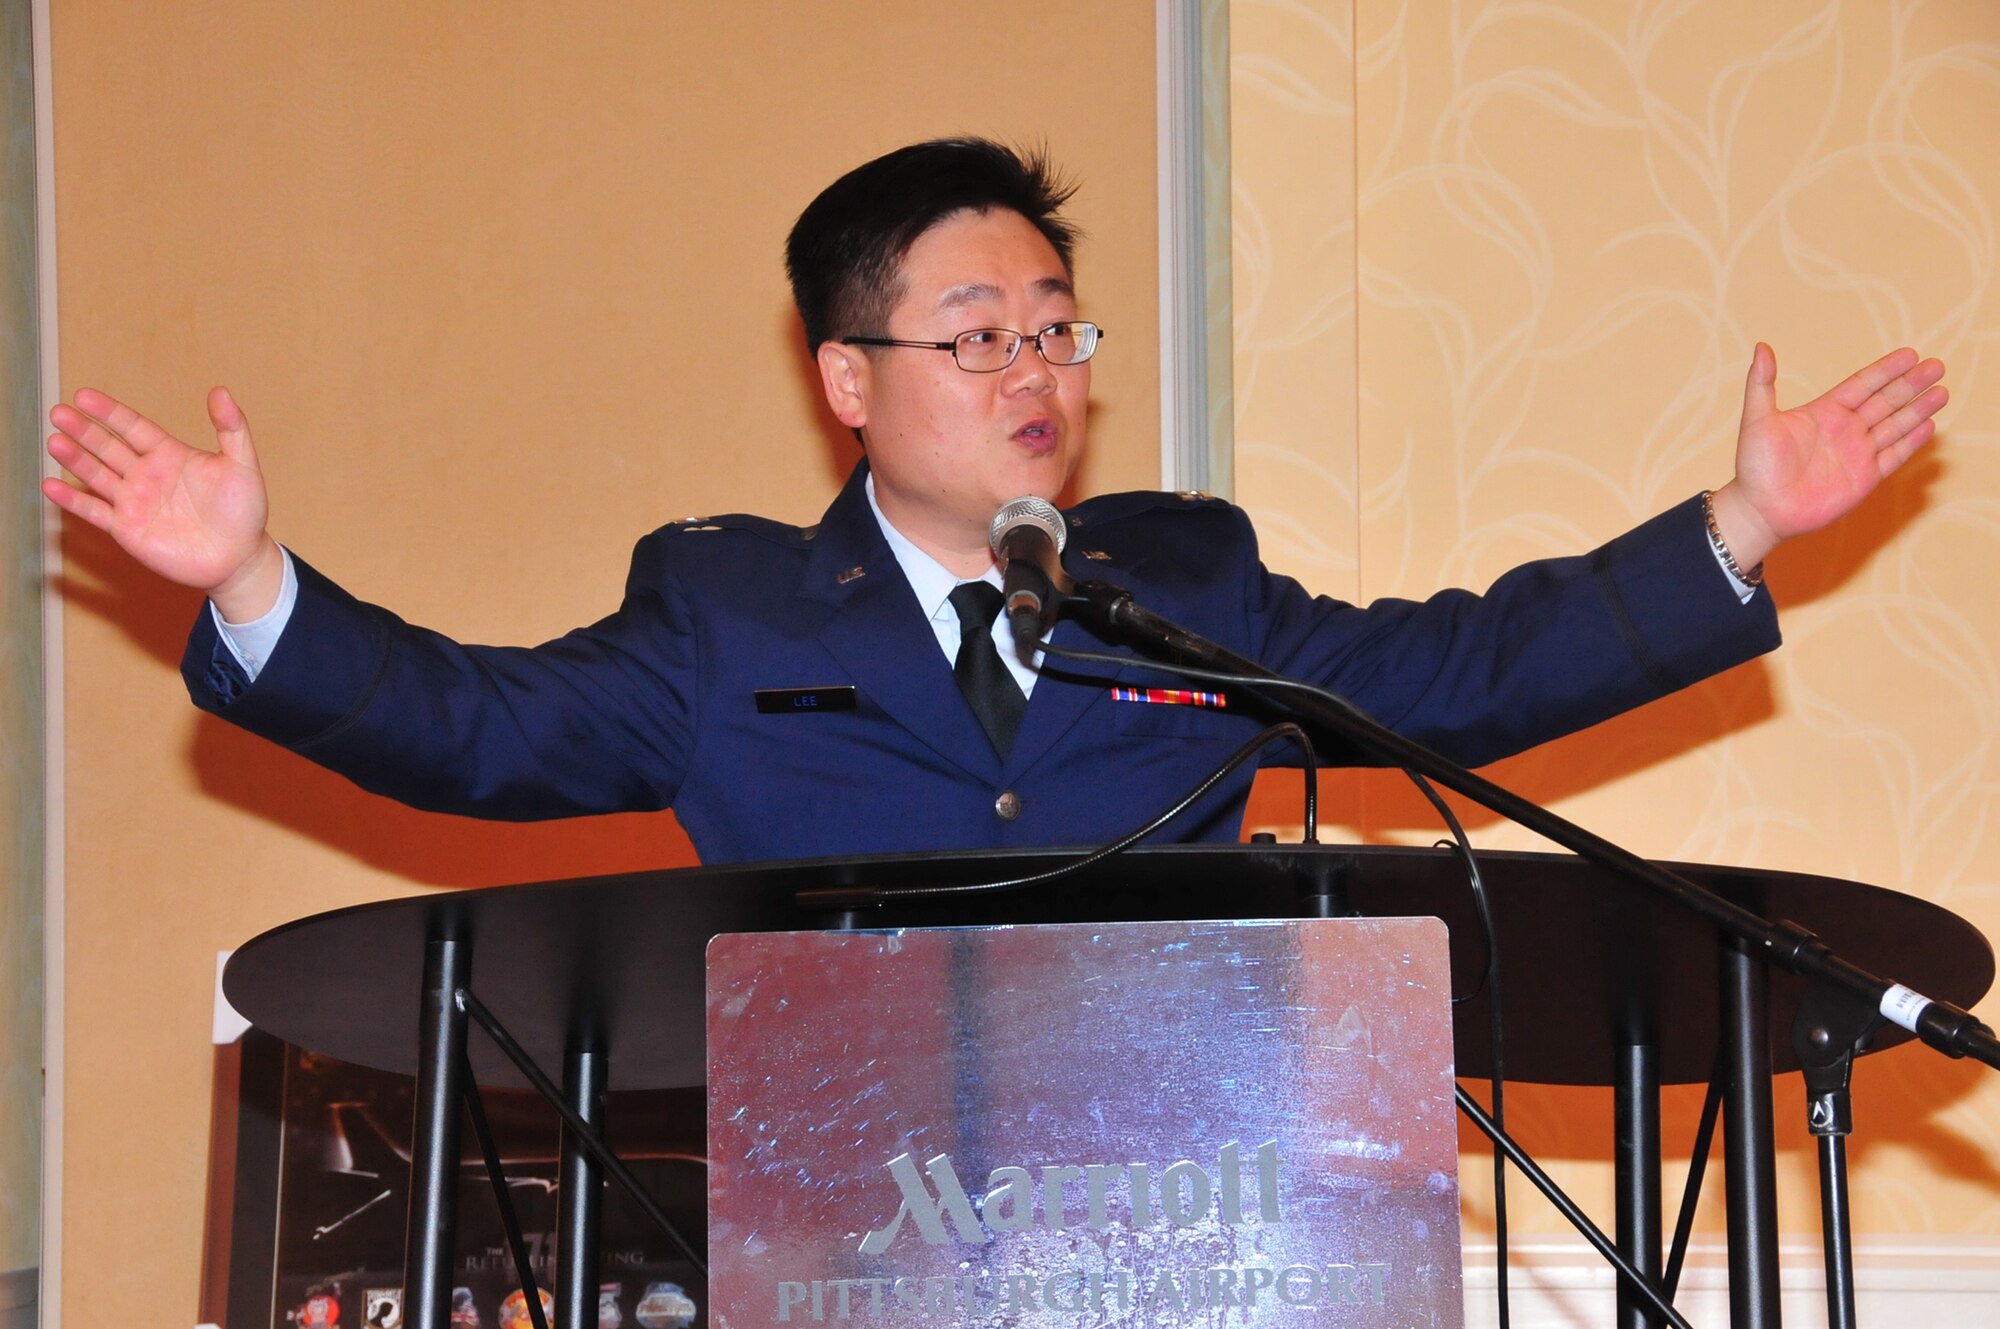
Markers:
(845, 252)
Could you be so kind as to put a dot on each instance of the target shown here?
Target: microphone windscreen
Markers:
(1028, 511)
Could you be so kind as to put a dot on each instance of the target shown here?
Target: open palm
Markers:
(1802, 468)
(193, 516)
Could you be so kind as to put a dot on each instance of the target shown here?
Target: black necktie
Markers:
(982, 676)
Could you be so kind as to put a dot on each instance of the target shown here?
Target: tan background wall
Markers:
(500, 287)
(450, 263)
(1499, 267)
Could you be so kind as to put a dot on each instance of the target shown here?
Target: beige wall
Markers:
(500, 289)
(449, 264)
(1499, 270)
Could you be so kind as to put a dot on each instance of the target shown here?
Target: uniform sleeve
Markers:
(1552, 647)
(595, 721)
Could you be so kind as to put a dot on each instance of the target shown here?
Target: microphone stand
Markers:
(1846, 997)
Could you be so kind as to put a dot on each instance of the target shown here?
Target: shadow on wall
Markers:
(1805, 570)
(1569, 1122)
(19, 1296)
(427, 848)
(286, 790)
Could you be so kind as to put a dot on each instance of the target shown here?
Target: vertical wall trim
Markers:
(51, 1301)
(1184, 451)
(1356, 478)
(1218, 276)
(1197, 344)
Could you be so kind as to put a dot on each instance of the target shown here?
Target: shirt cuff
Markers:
(1744, 590)
(252, 643)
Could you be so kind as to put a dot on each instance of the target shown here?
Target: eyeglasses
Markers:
(990, 350)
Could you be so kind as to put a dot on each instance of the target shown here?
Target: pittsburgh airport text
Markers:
(1094, 1292)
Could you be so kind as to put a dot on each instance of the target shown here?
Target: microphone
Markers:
(1028, 536)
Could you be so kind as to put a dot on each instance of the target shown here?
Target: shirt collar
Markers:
(930, 579)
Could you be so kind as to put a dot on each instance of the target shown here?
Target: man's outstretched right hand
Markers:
(192, 516)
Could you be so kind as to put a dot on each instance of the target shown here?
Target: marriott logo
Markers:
(1182, 1195)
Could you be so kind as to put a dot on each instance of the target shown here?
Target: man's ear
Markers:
(844, 377)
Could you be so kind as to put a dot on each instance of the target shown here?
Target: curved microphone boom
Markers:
(1027, 537)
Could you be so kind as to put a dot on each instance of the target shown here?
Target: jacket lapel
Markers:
(879, 634)
(1062, 694)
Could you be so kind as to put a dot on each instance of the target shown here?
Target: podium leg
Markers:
(1751, 1174)
(580, 1198)
(1638, 1164)
(1835, 1223)
(1830, 1030)
(431, 1239)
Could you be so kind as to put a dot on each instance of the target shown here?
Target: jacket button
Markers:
(1007, 806)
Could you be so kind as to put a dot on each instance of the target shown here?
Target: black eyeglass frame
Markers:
(1020, 339)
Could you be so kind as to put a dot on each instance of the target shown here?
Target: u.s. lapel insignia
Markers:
(852, 574)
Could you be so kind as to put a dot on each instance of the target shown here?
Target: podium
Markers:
(603, 978)
(1084, 1122)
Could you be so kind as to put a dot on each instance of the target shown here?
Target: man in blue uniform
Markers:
(798, 692)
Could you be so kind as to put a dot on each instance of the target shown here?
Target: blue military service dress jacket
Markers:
(656, 705)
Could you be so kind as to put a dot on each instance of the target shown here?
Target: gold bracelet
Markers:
(1755, 576)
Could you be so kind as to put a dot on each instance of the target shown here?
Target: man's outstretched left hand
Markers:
(1800, 469)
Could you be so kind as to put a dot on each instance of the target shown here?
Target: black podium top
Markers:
(617, 962)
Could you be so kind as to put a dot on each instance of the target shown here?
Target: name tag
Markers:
(804, 701)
